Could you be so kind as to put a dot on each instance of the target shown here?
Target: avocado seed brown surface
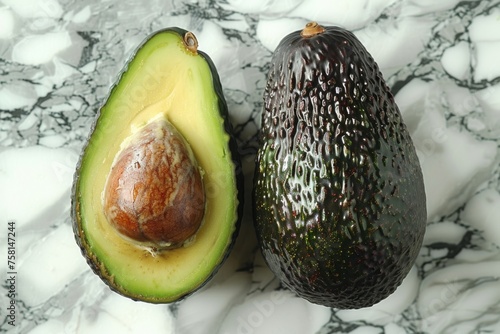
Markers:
(154, 193)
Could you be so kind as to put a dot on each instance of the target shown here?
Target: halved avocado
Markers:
(168, 87)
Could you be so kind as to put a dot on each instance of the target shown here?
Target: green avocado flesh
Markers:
(339, 199)
(165, 79)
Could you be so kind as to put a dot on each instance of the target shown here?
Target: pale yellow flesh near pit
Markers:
(163, 79)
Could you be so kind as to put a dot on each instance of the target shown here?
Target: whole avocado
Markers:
(339, 198)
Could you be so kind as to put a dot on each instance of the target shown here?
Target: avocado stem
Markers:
(312, 29)
(191, 42)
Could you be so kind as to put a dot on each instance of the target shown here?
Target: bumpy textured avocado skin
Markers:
(80, 238)
(339, 200)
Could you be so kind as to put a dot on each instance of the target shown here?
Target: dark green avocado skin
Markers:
(339, 199)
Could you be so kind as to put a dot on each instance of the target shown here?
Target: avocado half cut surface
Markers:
(339, 199)
(157, 195)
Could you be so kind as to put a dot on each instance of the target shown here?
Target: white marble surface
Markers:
(58, 59)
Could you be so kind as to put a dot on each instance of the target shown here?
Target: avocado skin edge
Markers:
(78, 232)
(339, 200)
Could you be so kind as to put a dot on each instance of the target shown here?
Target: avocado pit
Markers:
(154, 194)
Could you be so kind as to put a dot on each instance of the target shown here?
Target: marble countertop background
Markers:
(58, 59)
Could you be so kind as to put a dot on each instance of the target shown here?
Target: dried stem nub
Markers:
(191, 42)
(312, 29)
